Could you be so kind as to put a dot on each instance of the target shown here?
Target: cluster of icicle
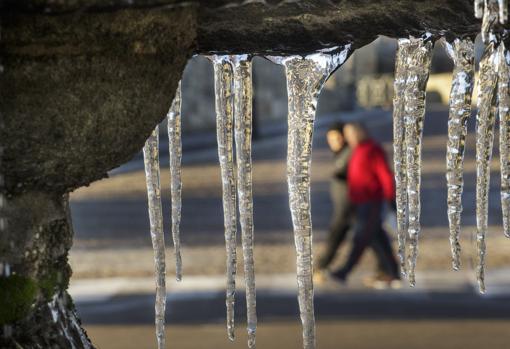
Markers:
(233, 89)
(493, 98)
(411, 75)
(305, 77)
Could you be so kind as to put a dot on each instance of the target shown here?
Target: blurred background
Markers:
(112, 258)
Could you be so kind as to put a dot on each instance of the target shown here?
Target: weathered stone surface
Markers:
(297, 26)
(81, 92)
(85, 81)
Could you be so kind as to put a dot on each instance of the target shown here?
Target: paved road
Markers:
(444, 311)
(121, 217)
(362, 334)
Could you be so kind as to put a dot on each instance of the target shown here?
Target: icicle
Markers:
(461, 51)
(490, 18)
(243, 129)
(223, 85)
(484, 143)
(478, 8)
(399, 154)
(504, 134)
(175, 154)
(418, 63)
(151, 160)
(305, 78)
(503, 11)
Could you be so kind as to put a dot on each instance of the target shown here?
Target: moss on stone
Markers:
(50, 284)
(17, 294)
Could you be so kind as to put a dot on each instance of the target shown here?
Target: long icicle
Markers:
(503, 11)
(223, 86)
(151, 161)
(504, 133)
(479, 8)
(461, 51)
(419, 58)
(305, 78)
(175, 155)
(243, 130)
(399, 153)
(484, 143)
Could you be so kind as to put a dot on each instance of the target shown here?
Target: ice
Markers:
(418, 58)
(175, 155)
(399, 154)
(243, 129)
(484, 142)
(305, 77)
(479, 8)
(504, 134)
(490, 18)
(223, 85)
(151, 161)
(503, 11)
(461, 51)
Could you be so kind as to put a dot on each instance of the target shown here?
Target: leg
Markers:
(340, 224)
(368, 223)
(387, 262)
(337, 234)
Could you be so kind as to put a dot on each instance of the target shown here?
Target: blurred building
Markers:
(364, 81)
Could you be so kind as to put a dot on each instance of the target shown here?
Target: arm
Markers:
(384, 174)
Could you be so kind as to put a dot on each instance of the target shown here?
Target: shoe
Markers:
(382, 282)
(339, 276)
(319, 277)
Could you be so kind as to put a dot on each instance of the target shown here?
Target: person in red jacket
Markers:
(370, 183)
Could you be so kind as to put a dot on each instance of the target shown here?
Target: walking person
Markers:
(370, 186)
(342, 216)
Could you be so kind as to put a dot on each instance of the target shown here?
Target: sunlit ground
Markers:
(331, 335)
(112, 247)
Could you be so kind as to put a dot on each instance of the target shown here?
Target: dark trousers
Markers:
(368, 231)
(341, 223)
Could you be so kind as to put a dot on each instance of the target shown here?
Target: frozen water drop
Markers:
(504, 133)
(305, 77)
(461, 51)
(484, 142)
(418, 59)
(175, 156)
(399, 153)
(152, 175)
(224, 94)
(243, 130)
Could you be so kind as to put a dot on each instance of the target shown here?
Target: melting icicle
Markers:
(243, 129)
(478, 8)
(503, 11)
(223, 86)
(490, 18)
(484, 143)
(305, 78)
(461, 51)
(504, 134)
(151, 160)
(175, 154)
(418, 65)
(399, 154)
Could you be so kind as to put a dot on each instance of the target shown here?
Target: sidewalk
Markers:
(200, 299)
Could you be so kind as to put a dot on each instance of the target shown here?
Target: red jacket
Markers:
(368, 175)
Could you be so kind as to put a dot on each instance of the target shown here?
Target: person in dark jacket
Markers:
(341, 221)
(370, 185)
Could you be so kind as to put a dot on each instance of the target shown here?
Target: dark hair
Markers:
(337, 126)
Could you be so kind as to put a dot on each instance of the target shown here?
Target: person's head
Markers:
(335, 137)
(355, 133)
